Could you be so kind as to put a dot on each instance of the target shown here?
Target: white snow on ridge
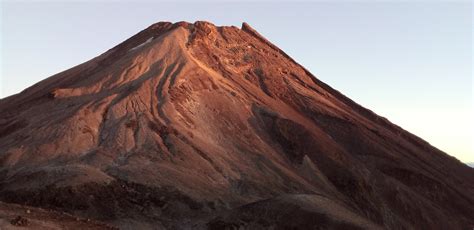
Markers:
(146, 42)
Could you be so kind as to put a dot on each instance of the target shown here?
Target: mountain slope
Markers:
(184, 121)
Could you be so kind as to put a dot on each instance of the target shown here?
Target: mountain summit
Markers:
(195, 126)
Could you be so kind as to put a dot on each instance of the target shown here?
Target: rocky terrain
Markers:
(195, 126)
(14, 217)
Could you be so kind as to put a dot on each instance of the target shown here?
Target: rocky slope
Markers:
(197, 126)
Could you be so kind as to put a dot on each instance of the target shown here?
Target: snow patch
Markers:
(146, 42)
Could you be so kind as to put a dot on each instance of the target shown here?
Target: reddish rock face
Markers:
(197, 126)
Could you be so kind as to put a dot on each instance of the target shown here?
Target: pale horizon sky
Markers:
(408, 61)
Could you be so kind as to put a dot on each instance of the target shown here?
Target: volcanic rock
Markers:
(196, 126)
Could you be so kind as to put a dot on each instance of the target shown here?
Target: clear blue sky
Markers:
(408, 61)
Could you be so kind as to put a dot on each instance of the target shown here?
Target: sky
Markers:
(409, 61)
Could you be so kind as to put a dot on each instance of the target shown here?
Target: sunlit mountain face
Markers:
(195, 126)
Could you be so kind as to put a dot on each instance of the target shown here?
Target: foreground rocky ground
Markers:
(14, 216)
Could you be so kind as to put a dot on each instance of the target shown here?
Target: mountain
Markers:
(194, 126)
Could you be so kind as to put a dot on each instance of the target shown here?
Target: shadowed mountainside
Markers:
(197, 126)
